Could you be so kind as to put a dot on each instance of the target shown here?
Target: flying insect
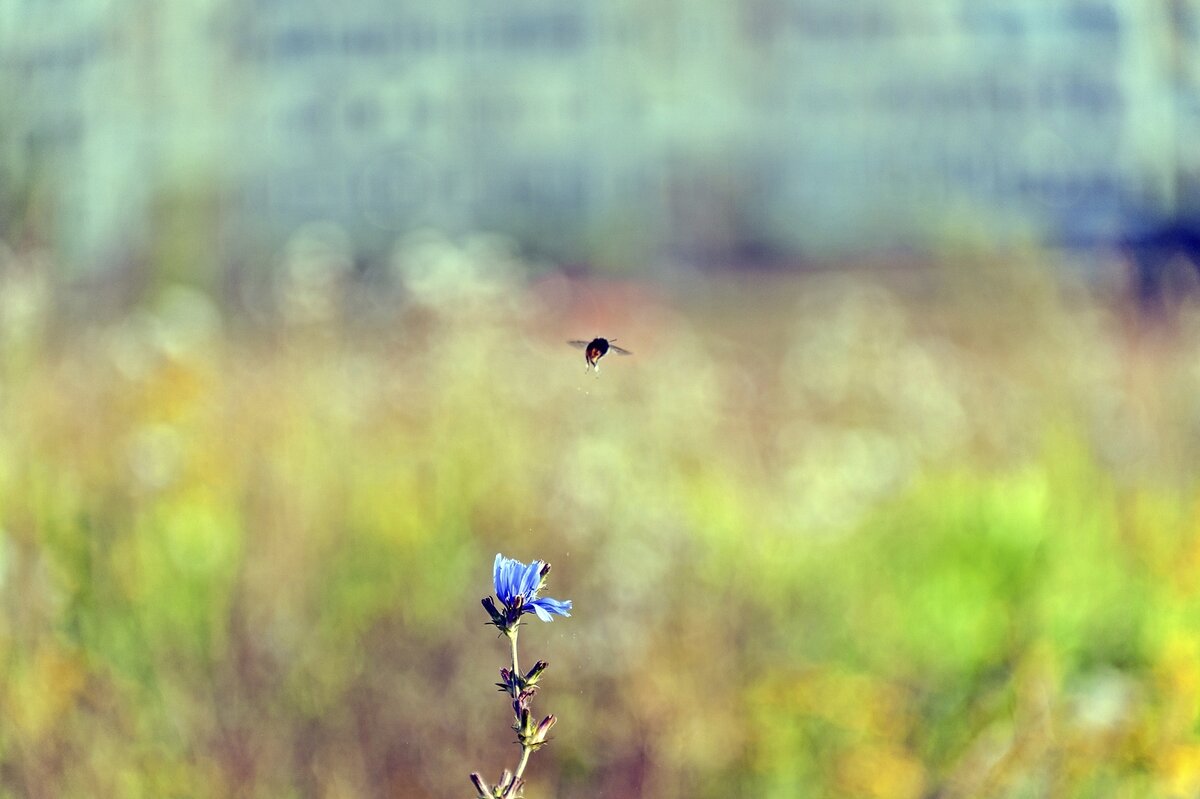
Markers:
(596, 349)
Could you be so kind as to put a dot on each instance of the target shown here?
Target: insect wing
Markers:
(581, 345)
(618, 350)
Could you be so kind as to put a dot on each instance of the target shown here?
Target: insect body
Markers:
(596, 349)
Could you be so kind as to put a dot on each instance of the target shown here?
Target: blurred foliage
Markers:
(890, 534)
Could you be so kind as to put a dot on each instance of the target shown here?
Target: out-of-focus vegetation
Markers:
(858, 534)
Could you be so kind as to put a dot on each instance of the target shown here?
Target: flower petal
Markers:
(545, 606)
(496, 576)
(507, 576)
(527, 580)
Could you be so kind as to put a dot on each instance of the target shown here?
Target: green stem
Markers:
(525, 750)
(512, 637)
(516, 670)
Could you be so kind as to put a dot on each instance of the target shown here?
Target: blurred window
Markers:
(366, 41)
(1093, 18)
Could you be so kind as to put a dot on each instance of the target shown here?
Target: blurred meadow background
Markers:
(896, 499)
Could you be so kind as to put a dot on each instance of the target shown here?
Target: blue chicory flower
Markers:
(517, 587)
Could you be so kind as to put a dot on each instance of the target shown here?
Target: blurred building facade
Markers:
(597, 131)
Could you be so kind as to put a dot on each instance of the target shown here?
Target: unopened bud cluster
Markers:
(522, 689)
(509, 786)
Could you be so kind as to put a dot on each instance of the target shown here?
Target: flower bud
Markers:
(523, 726)
(482, 787)
(523, 699)
(543, 729)
(535, 673)
(490, 606)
